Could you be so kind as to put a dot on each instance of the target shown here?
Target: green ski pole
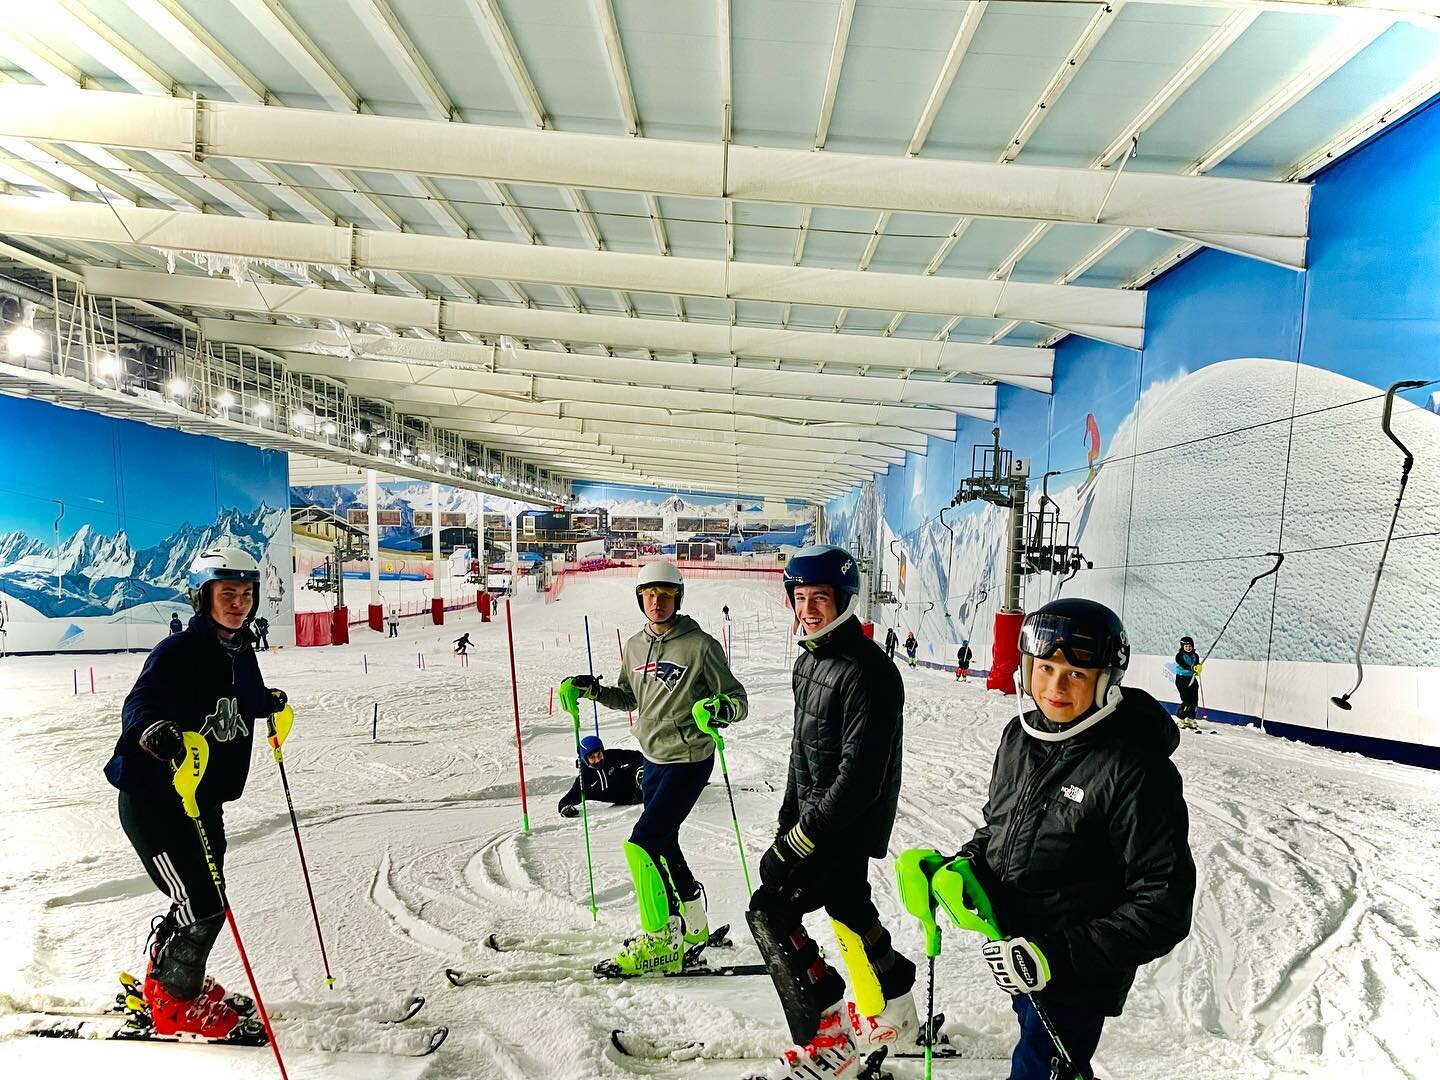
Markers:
(913, 871)
(570, 702)
(701, 716)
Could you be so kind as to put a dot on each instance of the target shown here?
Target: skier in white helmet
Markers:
(670, 668)
(204, 679)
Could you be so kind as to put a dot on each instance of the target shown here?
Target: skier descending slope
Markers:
(666, 669)
(1187, 681)
(1083, 852)
(837, 814)
(204, 679)
(911, 646)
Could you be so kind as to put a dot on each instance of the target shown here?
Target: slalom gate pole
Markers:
(550, 711)
(375, 723)
(515, 698)
(621, 647)
(1343, 701)
(702, 721)
(1279, 557)
(186, 780)
(92, 679)
(75, 680)
(279, 727)
(366, 661)
(569, 703)
(590, 663)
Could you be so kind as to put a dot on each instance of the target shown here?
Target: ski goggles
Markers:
(671, 591)
(1042, 636)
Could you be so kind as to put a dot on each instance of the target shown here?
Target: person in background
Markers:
(1187, 683)
(175, 625)
(613, 776)
(963, 656)
(891, 640)
(262, 633)
(394, 622)
(462, 643)
(911, 647)
(725, 611)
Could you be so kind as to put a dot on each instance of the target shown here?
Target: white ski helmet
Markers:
(660, 573)
(222, 564)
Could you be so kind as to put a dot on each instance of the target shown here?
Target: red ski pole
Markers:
(515, 698)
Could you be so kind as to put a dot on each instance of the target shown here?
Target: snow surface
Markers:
(1315, 950)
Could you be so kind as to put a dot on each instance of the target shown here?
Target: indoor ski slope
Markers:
(1315, 950)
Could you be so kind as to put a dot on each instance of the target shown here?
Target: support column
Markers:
(1005, 647)
(482, 594)
(514, 549)
(437, 601)
(376, 614)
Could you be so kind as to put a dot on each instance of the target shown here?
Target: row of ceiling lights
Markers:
(24, 341)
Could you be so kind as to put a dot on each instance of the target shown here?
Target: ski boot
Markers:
(697, 920)
(198, 1017)
(653, 953)
(897, 1025)
(832, 1052)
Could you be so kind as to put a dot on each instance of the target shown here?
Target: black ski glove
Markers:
(587, 685)
(162, 741)
(278, 700)
(783, 862)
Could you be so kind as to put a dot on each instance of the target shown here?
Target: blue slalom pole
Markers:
(590, 660)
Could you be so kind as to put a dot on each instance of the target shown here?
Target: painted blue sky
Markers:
(114, 474)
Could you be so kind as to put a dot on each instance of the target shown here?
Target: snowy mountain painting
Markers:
(97, 558)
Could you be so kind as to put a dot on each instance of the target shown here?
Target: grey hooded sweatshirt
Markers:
(661, 678)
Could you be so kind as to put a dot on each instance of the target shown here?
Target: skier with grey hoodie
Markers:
(670, 671)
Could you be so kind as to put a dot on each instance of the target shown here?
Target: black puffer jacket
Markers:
(618, 780)
(1084, 849)
(846, 748)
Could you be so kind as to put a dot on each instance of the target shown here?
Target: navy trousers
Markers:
(670, 793)
(1035, 1056)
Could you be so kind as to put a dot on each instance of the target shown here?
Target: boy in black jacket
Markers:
(1084, 851)
(839, 808)
(204, 679)
(613, 776)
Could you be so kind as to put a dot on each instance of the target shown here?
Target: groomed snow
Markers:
(1315, 950)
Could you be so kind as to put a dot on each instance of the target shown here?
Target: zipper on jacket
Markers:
(1026, 794)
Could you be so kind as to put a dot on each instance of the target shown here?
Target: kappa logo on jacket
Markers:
(225, 723)
(666, 673)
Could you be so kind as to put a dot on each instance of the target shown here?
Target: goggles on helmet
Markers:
(671, 591)
(1042, 636)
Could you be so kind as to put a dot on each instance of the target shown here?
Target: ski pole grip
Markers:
(280, 724)
(569, 697)
(914, 870)
(191, 771)
(959, 893)
(700, 713)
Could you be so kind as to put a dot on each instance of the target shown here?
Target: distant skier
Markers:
(911, 645)
(262, 633)
(175, 624)
(204, 680)
(1187, 682)
(1084, 850)
(462, 643)
(891, 640)
(393, 622)
(841, 794)
(725, 611)
(668, 668)
(613, 776)
(963, 656)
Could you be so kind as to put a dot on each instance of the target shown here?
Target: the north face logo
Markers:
(1073, 793)
(225, 723)
(668, 674)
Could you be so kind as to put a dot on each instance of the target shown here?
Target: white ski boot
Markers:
(697, 920)
(831, 1053)
(896, 1026)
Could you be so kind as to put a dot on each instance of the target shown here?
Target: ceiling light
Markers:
(262, 410)
(425, 458)
(24, 341)
(329, 427)
(406, 452)
(384, 446)
(108, 365)
(177, 388)
(359, 438)
(226, 400)
(302, 420)
(468, 469)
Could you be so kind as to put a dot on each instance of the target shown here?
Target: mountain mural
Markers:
(90, 574)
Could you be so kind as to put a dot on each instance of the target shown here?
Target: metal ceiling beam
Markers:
(1422, 12)
(395, 40)
(969, 23)
(1108, 314)
(662, 167)
(969, 398)
(615, 52)
(286, 35)
(487, 13)
(843, 19)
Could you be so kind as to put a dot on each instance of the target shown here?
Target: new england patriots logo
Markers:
(225, 723)
(668, 674)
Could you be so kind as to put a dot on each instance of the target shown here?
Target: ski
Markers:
(603, 971)
(128, 1031)
(460, 978)
(638, 1046)
(576, 946)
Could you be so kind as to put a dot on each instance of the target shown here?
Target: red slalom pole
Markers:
(92, 679)
(551, 710)
(515, 698)
(621, 647)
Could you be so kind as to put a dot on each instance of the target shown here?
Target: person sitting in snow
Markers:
(613, 776)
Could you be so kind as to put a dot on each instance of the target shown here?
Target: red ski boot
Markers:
(199, 1016)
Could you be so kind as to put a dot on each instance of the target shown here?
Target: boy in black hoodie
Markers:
(1083, 851)
(204, 679)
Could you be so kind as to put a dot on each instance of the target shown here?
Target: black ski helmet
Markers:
(1086, 633)
(1187, 641)
(825, 564)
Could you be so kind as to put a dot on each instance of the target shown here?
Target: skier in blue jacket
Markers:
(1187, 682)
(204, 679)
